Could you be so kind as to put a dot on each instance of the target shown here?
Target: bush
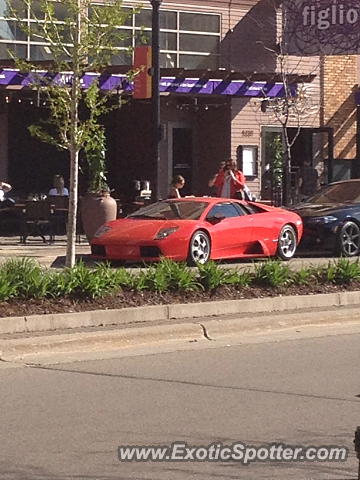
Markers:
(272, 273)
(213, 276)
(26, 277)
(167, 275)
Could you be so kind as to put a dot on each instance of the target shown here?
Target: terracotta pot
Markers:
(96, 209)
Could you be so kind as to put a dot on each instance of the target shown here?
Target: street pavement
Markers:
(300, 387)
(53, 255)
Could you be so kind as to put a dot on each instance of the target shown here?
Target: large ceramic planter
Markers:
(96, 209)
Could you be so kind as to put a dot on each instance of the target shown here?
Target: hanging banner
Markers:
(142, 81)
(321, 27)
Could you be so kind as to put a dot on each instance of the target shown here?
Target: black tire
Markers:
(287, 243)
(348, 240)
(199, 248)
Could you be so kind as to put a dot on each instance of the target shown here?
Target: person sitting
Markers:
(230, 182)
(59, 189)
(5, 202)
(177, 183)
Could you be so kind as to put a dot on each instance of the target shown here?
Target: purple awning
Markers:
(10, 78)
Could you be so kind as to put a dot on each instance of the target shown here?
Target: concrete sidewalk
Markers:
(48, 255)
(53, 255)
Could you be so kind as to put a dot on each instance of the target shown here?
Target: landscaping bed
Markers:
(26, 288)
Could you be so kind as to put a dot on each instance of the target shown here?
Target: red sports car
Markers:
(199, 229)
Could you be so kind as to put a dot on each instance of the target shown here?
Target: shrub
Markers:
(343, 271)
(213, 276)
(272, 273)
(26, 277)
(167, 275)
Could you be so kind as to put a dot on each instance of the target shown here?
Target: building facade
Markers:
(230, 46)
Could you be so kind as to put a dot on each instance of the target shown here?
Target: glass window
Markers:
(40, 52)
(168, 41)
(168, 20)
(98, 11)
(227, 210)
(122, 58)
(198, 43)
(167, 60)
(143, 18)
(198, 61)
(18, 50)
(199, 22)
(172, 209)
(142, 38)
(18, 5)
(60, 11)
(9, 30)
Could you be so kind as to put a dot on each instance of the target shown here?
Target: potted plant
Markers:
(97, 206)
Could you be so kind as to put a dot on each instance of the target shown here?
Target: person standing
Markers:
(59, 189)
(229, 182)
(177, 183)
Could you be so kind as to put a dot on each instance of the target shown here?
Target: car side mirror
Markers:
(217, 218)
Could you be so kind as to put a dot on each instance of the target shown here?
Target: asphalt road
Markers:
(65, 421)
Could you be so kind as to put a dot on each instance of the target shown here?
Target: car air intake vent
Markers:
(150, 252)
(98, 250)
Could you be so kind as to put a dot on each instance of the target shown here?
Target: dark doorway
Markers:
(182, 156)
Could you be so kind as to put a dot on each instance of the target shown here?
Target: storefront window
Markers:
(179, 47)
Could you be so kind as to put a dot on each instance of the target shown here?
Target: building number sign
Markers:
(247, 133)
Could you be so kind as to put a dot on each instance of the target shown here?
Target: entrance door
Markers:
(182, 156)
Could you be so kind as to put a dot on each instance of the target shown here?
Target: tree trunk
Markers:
(73, 206)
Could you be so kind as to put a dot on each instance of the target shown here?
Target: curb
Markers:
(59, 347)
(162, 313)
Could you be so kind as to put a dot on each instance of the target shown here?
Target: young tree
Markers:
(83, 39)
(297, 105)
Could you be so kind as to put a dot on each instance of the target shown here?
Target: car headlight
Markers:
(322, 220)
(102, 230)
(165, 232)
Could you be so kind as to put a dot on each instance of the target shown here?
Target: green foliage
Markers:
(305, 276)
(167, 276)
(343, 271)
(277, 154)
(272, 273)
(213, 276)
(7, 289)
(26, 277)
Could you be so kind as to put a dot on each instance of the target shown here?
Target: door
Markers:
(182, 156)
(232, 235)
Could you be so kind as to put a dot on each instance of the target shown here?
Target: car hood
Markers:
(128, 229)
(319, 210)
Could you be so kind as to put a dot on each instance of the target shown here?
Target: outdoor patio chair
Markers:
(38, 221)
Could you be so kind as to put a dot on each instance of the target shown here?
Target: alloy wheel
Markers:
(350, 239)
(287, 243)
(199, 248)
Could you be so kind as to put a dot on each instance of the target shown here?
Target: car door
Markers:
(231, 229)
(265, 226)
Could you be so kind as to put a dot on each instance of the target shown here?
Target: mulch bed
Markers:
(123, 299)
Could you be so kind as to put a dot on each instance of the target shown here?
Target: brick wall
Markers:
(338, 103)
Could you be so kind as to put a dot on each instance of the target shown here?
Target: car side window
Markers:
(226, 210)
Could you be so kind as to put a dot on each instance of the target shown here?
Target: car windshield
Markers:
(348, 192)
(171, 210)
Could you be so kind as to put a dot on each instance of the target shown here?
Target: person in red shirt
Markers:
(229, 182)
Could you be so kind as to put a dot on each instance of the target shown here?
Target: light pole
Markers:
(155, 93)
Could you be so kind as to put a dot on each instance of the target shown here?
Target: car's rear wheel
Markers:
(199, 248)
(348, 240)
(287, 243)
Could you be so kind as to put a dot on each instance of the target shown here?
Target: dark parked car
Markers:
(331, 219)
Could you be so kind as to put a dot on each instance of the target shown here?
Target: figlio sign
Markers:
(314, 27)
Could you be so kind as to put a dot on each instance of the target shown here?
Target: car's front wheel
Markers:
(199, 248)
(287, 243)
(348, 240)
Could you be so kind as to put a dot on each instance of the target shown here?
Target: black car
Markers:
(331, 219)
